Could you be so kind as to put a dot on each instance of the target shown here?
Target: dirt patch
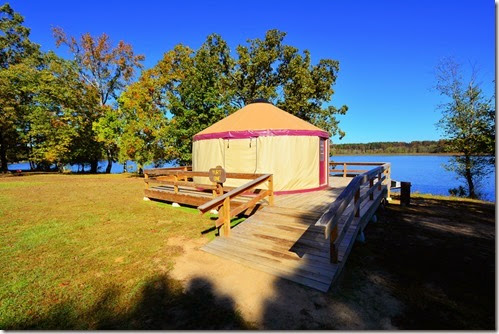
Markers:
(423, 267)
(269, 302)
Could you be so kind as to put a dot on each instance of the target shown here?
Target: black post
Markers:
(405, 193)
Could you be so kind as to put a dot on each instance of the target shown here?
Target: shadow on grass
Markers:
(161, 304)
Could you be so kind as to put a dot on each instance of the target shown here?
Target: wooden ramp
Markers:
(285, 241)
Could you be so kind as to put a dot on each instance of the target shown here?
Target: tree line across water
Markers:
(103, 104)
(414, 147)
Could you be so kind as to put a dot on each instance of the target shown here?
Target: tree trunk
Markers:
(469, 177)
(93, 166)
(109, 165)
(3, 155)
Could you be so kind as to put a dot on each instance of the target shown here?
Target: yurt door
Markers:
(322, 162)
(240, 155)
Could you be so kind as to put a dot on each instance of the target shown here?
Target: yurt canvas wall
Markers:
(294, 160)
(261, 138)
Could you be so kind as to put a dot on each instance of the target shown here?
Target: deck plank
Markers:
(274, 270)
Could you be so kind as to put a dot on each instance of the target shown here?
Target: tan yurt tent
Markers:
(261, 138)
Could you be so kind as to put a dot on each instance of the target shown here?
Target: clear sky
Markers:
(387, 49)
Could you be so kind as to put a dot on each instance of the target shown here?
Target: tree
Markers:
(306, 87)
(255, 75)
(189, 87)
(143, 122)
(269, 69)
(18, 56)
(202, 96)
(108, 70)
(61, 115)
(468, 122)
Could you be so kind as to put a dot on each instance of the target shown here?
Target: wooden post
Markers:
(379, 178)
(226, 217)
(388, 181)
(405, 193)
(356, 199)
(175, 186)
(344, 169)
(146, 179)
(371, 184)
(333, 252)
(271, 190)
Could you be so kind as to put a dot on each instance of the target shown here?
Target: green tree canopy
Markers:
(18, 56)
(468, 122)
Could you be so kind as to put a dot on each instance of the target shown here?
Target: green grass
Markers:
(74, 243)
(86, 252)
(447, 198)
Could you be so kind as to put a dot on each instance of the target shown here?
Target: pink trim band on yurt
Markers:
(260, 133)
(300, 191)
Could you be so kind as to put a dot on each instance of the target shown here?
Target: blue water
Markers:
(117, 168)
(425, 172)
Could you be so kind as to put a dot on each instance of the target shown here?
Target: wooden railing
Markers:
(222, 195)
(183, 176)
(349, 172)
(222, 203)
(178, 176)
(331, 218)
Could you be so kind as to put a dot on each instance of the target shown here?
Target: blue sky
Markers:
(387, 49)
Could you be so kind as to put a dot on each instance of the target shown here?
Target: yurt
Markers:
(261, 138)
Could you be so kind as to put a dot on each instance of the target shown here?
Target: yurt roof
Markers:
(260, 119)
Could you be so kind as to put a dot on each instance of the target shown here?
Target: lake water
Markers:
(117, 168)
(425, 172)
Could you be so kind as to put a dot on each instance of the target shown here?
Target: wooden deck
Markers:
(305, 238)
(285, 241)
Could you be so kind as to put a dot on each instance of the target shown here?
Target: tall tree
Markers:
(61, 115)
(306, 88)
(202, 97)
(255, 74)
(16, 50)
(272, 70)
(189, 87)
(468, 122)
(143, 121)
(108, 70)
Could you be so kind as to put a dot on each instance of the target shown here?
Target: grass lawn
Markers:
(86, 252)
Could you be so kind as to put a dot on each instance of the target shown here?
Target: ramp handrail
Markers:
(331, 218)
(222, 202)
